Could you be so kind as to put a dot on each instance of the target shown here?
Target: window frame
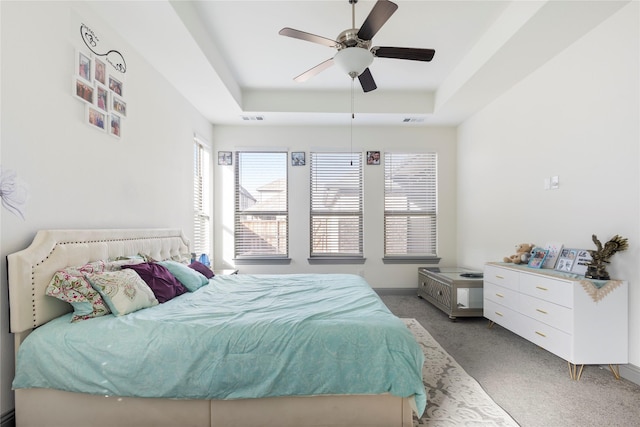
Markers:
(202, 206)
(268, 258)
(430, 200)
(335, 257)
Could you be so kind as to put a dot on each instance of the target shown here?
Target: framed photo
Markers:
(100, 71)
(537, 257)
(83, 66)
(583, 258)
(118, 105)
(566, 259)
(373, 157)
(96, 118)
(115, 86)
(114, 125)
(83, 90)
(102, 97)
(297, 158)
(225, 158)
(554, 249)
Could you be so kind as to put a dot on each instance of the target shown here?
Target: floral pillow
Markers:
(70, 285)
(124, 291)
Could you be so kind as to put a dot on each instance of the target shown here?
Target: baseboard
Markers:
(630, 372)
(396, 291)
(8, 419)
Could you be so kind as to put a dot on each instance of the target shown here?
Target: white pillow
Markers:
(124, 291)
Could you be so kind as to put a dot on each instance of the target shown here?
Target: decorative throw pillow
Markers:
(123, 291)
(117, 264)
(70, 285)
(191, 279)
(164, 285)
(202, 269)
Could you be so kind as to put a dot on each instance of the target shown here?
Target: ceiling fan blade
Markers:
(412, 54)
(297, 34)
(366, 81)
(313, 71)
(380, 13)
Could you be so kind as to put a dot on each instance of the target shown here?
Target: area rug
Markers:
(454, 398)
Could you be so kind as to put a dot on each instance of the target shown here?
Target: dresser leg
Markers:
(490, 324)
(615, 370)
(574, 373)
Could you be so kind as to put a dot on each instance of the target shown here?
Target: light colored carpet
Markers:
(454, 398)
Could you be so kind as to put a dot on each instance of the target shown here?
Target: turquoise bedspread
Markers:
(241, 336)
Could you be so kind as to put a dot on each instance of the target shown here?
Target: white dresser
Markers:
(558, 312)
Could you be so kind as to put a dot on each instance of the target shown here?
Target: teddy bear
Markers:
(522, 255)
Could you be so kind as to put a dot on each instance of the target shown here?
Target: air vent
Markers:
(252, 118)
(413, 120)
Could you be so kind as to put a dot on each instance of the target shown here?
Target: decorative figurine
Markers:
(596, 268)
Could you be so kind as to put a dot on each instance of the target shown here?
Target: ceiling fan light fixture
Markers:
(353, 60)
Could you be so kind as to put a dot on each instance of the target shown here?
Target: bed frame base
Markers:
(60, 408)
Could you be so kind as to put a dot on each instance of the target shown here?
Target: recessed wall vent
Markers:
(253, 118)
(413, 120)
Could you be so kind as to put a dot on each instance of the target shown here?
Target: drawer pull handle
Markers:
(499, 295)
(542, 288)
(541, 311)
(499, 314)
(499, 277)
(439, 293)
(541, 334)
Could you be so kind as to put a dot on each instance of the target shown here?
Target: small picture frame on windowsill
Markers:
(225, 158)
(297, 158)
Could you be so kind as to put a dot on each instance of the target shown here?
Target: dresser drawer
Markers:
(501, 295)
(501, 276)
(503, 316)
(546, 312)
(547, 337)
(548, 289)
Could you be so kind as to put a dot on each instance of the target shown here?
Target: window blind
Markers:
(336, 204)
(410, 204)
(261, 209)
(201, 199)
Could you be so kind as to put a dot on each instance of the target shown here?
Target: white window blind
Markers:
(261, 210)
(336, 204)
(201, 199)
(410, 204)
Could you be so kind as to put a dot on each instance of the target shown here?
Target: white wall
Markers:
(304, 138)
(77, 176)
(576, 117)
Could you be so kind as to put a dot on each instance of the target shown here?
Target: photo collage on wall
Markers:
(102, 92)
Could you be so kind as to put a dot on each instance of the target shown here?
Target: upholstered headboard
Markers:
(31, 269)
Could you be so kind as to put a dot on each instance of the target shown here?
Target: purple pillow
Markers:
(164, 285)
(202, 269)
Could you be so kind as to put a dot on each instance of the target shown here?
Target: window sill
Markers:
(411, 260)
(336, 260)
(261, 261)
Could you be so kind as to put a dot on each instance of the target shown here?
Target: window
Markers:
(336, 205)
(410, 205)
(261, 211)
(201, 199)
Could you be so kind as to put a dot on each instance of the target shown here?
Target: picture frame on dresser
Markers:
(538, 255)
(583, 258)
(566, 259)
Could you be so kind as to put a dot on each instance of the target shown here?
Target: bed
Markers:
(270, 350)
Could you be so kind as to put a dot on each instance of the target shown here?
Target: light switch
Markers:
(555, 182)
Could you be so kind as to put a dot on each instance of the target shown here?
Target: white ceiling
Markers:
(227, 58)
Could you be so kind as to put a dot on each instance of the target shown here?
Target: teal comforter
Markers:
(241, 336)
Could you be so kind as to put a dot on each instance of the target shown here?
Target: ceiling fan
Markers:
(355, 53)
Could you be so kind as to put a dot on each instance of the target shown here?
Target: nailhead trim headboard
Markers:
(31, 269)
